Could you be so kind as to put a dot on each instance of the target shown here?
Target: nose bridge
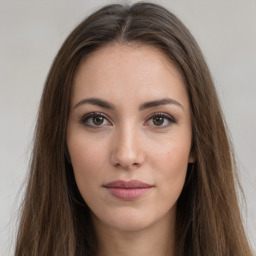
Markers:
(126, 150)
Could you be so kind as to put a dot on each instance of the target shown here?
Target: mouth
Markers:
(128, 190)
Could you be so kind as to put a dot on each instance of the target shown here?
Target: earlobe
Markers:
(67, 153)
(191, 158)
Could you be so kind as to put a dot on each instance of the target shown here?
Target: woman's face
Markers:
(129, 136)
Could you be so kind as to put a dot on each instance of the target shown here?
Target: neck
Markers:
(157, 239)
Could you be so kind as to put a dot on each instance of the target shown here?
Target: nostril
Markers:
(126, 165)
(117, 165)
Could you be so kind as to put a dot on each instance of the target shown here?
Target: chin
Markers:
(130, 220)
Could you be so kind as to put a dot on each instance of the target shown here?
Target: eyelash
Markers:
(86, 118)
(170, 119)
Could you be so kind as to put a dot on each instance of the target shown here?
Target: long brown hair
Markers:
(55, 219)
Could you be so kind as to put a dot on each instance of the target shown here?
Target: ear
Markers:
(66, 153)
(191, 158)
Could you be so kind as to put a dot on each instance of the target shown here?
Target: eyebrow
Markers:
(156, 103)
(150, 104)
(95, 101)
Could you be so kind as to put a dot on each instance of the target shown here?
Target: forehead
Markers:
(130, 55)
(116, 70)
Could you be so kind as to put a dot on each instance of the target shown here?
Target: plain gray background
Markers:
(31, 32)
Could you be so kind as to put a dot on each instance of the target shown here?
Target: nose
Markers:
(127, 151)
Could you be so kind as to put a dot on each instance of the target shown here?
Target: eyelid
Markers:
(169, 117)
(161, 114)
(86, 117)
(91, 115)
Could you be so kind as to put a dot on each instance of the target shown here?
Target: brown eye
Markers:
(98, 120)
(161, 120)
(158, 120)
(95, 120)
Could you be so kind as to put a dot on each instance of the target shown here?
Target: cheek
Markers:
(171, 166)
(172, 154)
(87, 160)
(84, 152)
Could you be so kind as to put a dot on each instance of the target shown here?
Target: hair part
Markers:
(55, 219)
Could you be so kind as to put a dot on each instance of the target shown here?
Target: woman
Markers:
(131, 156)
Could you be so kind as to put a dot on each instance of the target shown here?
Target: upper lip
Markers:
(127, 184)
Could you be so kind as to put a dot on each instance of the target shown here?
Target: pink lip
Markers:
(127, 190)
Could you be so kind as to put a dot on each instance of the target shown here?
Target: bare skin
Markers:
(130, 120)
(155, 240)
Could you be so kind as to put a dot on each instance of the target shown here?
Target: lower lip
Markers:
(128, 193)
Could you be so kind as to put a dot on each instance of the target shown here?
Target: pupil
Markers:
(98, 120)
(158, 120)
